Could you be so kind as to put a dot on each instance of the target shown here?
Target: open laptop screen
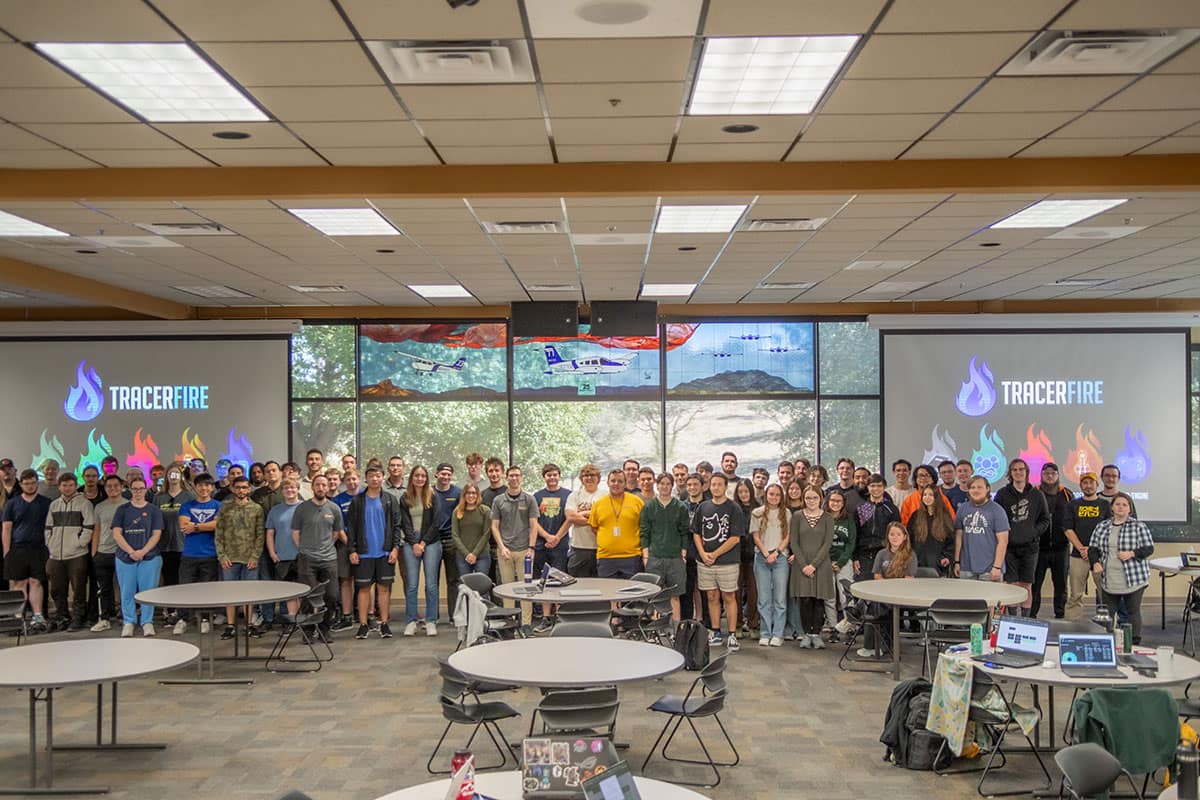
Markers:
(1022, 635)
(1090, 649)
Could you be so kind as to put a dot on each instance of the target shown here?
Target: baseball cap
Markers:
(1091, 475)
(6, 463)
(444, 465)
(1049, 465)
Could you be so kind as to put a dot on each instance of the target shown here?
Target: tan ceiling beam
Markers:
(44, 279)
(1128, 173)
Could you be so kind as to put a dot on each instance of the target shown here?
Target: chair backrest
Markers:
(1088, 768)
(12, 604)
(1061, 626)
(713, 675)
(480, 583)
(589, 608)
(582, 628)
(959, 613)
(647, 577)
(454, 683)
(315, 599)
(593, 697)
(928, 572)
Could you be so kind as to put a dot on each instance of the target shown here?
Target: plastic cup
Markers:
(1165, 656)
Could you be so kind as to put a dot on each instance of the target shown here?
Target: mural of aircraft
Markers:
(427, 366)
(589, 365)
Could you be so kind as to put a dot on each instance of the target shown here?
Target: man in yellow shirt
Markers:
(618, 538)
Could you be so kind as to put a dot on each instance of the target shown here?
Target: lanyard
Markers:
(617, 511)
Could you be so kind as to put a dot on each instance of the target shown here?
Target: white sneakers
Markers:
(430, 629)
(410, 629)
(776, 641)
(148, 629)
(101, 626)
(180, 628)
(127, 630)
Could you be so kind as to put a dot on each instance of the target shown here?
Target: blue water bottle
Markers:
(528, 567)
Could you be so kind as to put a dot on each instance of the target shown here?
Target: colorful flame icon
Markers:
(941, 448)
(97, 451)
(1134, 458)
(1036, 452)
(191, 445)
(145, 452)
(85, 400)
(978, 394)
(989, 460)
(49, 448)
(240, 450)
(1086, 455)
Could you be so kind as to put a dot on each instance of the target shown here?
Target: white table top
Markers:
(566, 661)
(605, 590)
(1185, 670)
(921, 592)
(83, 661)
(222, 593)
(507, 786)
(1171, 564)
(1169, 793)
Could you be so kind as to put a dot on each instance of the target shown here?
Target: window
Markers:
(571, 434)
(761, 432)
(849, 358)
(616, 367)
(740, 359)
(323, 361)
(434, 431)
(432, 360)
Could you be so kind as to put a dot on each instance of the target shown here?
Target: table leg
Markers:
(112, 744)
(1162, 597)
(212, 658)
(896, 611)
(49, 789)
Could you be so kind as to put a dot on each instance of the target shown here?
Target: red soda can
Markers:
(460, 757)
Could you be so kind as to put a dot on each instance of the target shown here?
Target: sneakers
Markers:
(148, 629)
(817, 643)
(805, 641)
(843, 626)
(545, 625)
(763, 642)
(363, 632)
(714, 638)
(101, 626)
(385, 630)
(127, 630)
(344, 623)
(256, 620)
(410, 629)
(864, 652)
(254, 631)
(180, 628)
(732, 644)
(229, 632)
(38, 624)
(205, 627)
(431, 629)
(776, 641)
(526, 632)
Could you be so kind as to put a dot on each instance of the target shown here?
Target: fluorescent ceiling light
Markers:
(163, 82)
(1057, 213)
(346, 221)
(668, 289)
(440, 290)
(12, 225)
(698, 219)
(767, 75)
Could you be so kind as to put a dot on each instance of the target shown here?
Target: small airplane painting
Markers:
(589, 365)
(427, 366)
(750, 337)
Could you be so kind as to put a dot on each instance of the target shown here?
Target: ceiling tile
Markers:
(1175, 144)
(972, 148)
(904, 96)
(200, 134)
(772, 128)
(935, 55)
(1159, 92)
(110, 136)
(1103, 124)
(1102, 15)
(1033, 125)
(846, 151)
(919, 16)
(42, 159)
(146, 158)
(1044, 94)
(259, 21)
(620, 130)
(489, 133)
(294, 63)
(14, 138)
(264, 157)
(748, 151)
(596, 99)
(21, 66)
(74, 21)
(789, 17)
(59, 105)
(1186, 62)
(612, 153)
(329, 103)
(358, 134)
(613, 60)
(381, 19)
(556, 19)
(496, 155)
(378, 156)
(507, 101)
(1067, 147)
(868, 127)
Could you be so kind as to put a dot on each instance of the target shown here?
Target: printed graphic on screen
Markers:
(1078, 400)
(447, 361)
(1087, 650)
(742, 358)
(587, 366)
(144, 402)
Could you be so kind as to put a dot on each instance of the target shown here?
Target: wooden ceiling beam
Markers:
(22, 274)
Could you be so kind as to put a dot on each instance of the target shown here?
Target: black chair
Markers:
(591, 710)
(949, 622)
(12, 614)
(582, 628)
(499, 622)
(461, 705)
(705, 698)
(630, 614)
(587, 611)
(307, 623)
(862, 617)
(1089, 771)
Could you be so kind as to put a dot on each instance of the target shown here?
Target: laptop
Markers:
(555, 767)
(1020, 642)
(1189, 560)
(1088, 655)
(615, 783)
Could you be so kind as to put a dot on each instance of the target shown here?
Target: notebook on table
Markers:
(1020, 642)
(1088, 655)
(581, 592)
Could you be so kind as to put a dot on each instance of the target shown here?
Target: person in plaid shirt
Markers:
(1118, 551)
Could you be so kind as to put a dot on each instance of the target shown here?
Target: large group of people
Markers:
(768, 556)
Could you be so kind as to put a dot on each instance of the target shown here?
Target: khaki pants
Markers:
(1077, 584)
(513, 569)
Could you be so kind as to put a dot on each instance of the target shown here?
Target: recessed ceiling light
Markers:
(551, 287)
(213, 291)
(12, 225)
(794, 285)
(346, 221)
(317, 288)
(163, 82)
(1057, 213)
(668, 289)
(767, 225)
(231, 135)
(440, 290)
(698, 219)
(740, 128)
(767, 75)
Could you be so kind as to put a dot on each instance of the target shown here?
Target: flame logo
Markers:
(1086, 455)
(191, 445)
(1036, 451)
(85, 400)
(240, 450)
(145, 452)
(989, 460)
(1134, 458)
(49, 448)
(977, 395)
(97, 451)
(941, 448)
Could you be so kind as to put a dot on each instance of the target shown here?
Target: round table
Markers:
(1169, 566)
(1169, 793)
(507, 786)
(565, 661)
(922, 592)
(584, 590)
(43, 668)
(219, 594)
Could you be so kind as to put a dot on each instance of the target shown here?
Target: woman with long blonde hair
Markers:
(471, 529)
(422, 550)
(769, 529)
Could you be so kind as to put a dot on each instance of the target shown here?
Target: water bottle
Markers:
(467, 790)
(976, 639)
(995, 631)
(528, 567)
(1187, 764)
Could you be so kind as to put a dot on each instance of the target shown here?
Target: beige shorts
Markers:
(718, 576)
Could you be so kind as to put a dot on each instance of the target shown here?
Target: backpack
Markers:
(691, 641)
(923, 745)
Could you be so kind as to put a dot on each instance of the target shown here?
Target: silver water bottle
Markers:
(1187, 767)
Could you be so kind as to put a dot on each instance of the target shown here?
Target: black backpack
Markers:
(691, 641)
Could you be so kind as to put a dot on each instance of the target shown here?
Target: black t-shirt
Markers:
(716, 523)
(1083, 517)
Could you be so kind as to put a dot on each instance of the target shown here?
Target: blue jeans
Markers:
(772, 582)
(239, 572)
(135, 577)
(482, 564)
(431, 561)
